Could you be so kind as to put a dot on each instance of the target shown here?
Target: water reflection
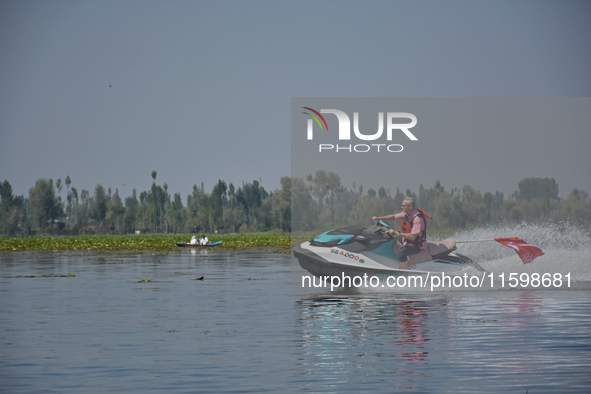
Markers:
(413, 331)
(442, 344)
(518, 311)
(240, 329)
(373, 336)
(199, 252)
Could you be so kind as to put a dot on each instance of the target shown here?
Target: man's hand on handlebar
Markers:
(392, 233)
(384, 228)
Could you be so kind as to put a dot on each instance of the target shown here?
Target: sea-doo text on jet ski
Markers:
(355, 251)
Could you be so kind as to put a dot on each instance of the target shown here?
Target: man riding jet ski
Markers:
(413, 230)
(355, 250)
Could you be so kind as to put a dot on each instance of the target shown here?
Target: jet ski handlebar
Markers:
(382, 228)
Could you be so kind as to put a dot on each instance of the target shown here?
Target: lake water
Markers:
(242, 329)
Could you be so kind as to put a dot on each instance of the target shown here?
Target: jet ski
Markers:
(355, 250)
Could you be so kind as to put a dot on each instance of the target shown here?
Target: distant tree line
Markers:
(322, 201)
(318, 201)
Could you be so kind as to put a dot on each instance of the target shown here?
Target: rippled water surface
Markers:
(241, 329)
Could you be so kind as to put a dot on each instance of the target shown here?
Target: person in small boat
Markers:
(203, 240)
(194, 240)
(413, 234)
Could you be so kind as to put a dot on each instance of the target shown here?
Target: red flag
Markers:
(526, 252)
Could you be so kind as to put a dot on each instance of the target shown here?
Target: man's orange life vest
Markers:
(406, 227)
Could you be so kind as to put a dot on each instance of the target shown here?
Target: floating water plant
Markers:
(280, 241)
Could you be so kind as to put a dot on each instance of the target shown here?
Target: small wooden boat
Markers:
(186, 244)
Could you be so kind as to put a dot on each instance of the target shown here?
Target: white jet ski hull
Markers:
(334, 261)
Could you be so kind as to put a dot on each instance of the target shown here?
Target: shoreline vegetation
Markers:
(271, 241)
(248, 217)
(276, 242)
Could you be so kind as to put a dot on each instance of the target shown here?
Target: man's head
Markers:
(408, 205)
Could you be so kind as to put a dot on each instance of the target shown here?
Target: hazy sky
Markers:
(107, 91)
(485, 142)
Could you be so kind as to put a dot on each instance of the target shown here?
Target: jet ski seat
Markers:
(433, 250)
(349, 230)
(337, 237)
(436, 248)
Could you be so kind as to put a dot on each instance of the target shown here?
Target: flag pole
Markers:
(527, 252)
(475, 240)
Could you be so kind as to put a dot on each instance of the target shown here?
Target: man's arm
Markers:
(387, 217)
(409, 236)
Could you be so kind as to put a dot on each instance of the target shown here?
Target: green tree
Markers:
(131, 212)
(542, 188)
(373, 205)
(234, 215)
(13, 218)
(43, 204)
(6, 196)
(98, 205)
(304, 210)
(59, 187)
(79, 217)
(355, 201)
(115, 213)
(218, 202)
(448, 211)
(157, 200)
(576, 209)
(198, 210)
(398, 198)
(176, 214)
(250, 197)
(472, 203)
(68, 182)
(282, 205)
(327, 188)
(426, 198)
(144, 212)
